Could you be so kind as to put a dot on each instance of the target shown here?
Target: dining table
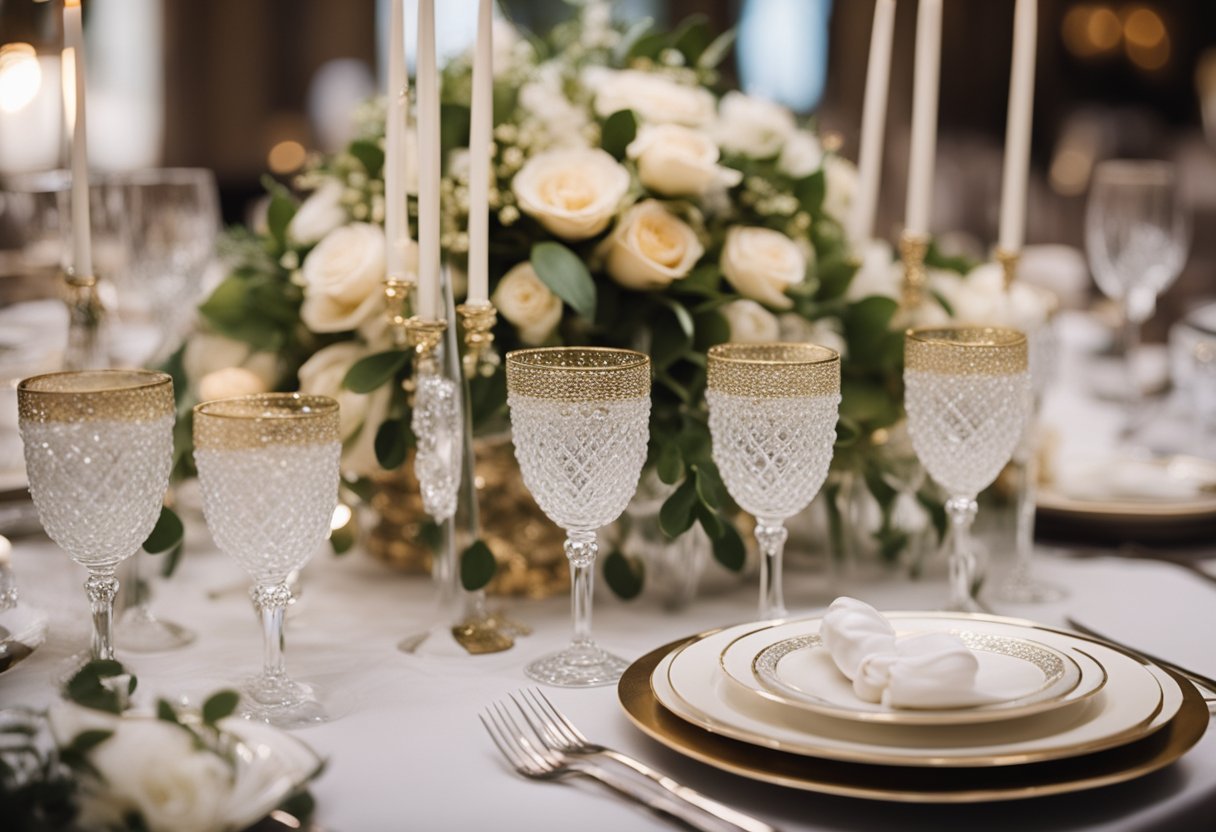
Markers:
(404, 748)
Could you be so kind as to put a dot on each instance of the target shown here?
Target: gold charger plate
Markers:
(908, 784)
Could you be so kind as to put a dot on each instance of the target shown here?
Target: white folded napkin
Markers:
(922, 670)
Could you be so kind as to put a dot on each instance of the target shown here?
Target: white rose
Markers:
(359, 414)
(761, 264)
(544, 97)
(528, 303)
(320, 214)
(153, 768)
(840, 187)
(359, 452)
(752, 126)
(801, 156)
(678, 161)
(825, 332)
(651, 247)
(230, 382)
(750, 323)
(654, 98)
(573, 192)
(207, 353)
(343, 278)
(879, 274)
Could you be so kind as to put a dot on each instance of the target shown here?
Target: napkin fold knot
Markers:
(923, 670)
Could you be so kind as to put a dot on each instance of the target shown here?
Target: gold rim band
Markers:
(578, 374)
(264, 420)
(96, 395)
(778, 370)
(965, 350)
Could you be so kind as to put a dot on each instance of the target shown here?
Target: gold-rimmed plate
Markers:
(908, 783)
(690, 683)
(1017, 677)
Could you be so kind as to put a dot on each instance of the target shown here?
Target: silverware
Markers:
(530, 748)
(1204, 683)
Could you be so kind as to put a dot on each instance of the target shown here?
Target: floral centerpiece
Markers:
(632, 204)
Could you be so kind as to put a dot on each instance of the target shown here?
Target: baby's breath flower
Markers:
(290, 260)
(509, 215)
(359, 211)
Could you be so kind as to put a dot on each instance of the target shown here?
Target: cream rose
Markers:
(654, 98)
(678, 161)
(651, 247)
(208, 353)
(801, 156)
(528, 303)
(824, 332)
(573, 192)
(342, 278)
(761, 264)
(879, 273)
(359, 414)
(752, 126)
(750, 323)
(320, 214)
(840, 186)
(152, 767)
(230, 382)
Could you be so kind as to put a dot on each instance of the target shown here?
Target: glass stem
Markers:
(581, 549)
(271, 600)
(1131, 346)
(1024, 499)
(962, 512)
(771, 535)
(102, 586)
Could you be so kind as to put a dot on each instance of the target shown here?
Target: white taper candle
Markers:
(396, 210)
(480, 126)
(427, 83)
(924, 116)
(873, 122)
(1017, 127)
(74, 105)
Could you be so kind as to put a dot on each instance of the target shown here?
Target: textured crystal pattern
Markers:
(773, 453)
(269, 508)
(99, 484)
(438, 426)
(580, 460)
(965, 427)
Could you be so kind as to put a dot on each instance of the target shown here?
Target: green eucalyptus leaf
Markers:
(342, 540)
(670, 464)
(278, 216)
(219, 705)
(390, 444)
(453, 127)
(810, 191)
(86, 741)
(631, 36)
(683, 317)
(166, 534)
(619, 130)
(676, 515)
(704, 281)
(710, 521)
(369, 154)
(477, 566)
(430, 534)
(226, 304)
(372, 371)
(693, 37)
(717, 50)
(624, 575)
(165, 712)
(712, 329)
(170, 561)
(648, 45)
(728, 549)
(566, 275)
(710, 487)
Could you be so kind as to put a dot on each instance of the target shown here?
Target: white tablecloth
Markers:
(405, 748)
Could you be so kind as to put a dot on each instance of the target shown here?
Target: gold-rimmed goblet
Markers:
(580, 424)
(967, 393)
(98, 452)
(772, 416)
(268, 468)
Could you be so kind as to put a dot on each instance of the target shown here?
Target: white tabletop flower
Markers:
(750, 323)
(801, 156)
(318, 215)
(574, 192)
(753, 126)
(678, 161)
(762, 263)
(528, 303)
(655, 98)
(651, 247)
(342, 278)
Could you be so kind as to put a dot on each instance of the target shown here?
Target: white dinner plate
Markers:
(271, 765)
(1134, 702)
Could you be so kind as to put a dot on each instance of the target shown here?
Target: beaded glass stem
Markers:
(580, 423)
(268, 469)
(772, 415)
(98, 449)
(967, 393)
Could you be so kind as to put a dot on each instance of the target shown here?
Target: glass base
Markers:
(966, 605)
(1028, 590)
(281, 702)
(138, 630)
(577, 667)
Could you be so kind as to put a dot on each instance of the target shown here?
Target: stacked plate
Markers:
(1052, 712)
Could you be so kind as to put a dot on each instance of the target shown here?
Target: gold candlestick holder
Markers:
(424, 337)
(477, 320)
(86, 349)
(912, 249)
(1009, 264)
(397, 291)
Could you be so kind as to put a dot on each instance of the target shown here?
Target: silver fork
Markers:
(560, 734)
(522, 744)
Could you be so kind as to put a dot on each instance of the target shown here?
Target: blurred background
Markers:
(245, 86)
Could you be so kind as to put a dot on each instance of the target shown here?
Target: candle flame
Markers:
(20, 76)
(71, 4)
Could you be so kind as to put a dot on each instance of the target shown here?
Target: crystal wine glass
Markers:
(268, 468)
(580, 424)
(967, 393)
(98, 452)
(772, 415)
(1136, 235)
